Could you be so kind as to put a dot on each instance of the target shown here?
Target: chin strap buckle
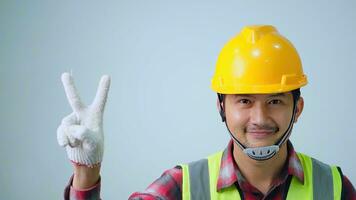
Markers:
(261, 153)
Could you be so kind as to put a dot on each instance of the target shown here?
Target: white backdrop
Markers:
(161, 56)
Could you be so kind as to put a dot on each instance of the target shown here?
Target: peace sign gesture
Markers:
(81, 132)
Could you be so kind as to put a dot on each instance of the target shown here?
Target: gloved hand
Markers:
(81, 132)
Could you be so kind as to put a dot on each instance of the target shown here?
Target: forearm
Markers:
(70, 193)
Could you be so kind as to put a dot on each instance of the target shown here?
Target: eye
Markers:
(244, 101)
(275, 101)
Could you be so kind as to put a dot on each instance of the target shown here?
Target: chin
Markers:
(261, 142)
(254, 143)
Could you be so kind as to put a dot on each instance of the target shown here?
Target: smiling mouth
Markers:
(260, 134)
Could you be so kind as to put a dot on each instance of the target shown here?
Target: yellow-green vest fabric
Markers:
(321, 181)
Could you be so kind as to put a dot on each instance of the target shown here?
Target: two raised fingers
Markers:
(73, 94)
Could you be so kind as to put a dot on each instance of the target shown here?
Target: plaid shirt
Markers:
(169, 185)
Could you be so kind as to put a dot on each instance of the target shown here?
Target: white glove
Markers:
(81, 132)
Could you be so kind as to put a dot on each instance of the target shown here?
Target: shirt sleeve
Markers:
(70, 193)
(167, 186)
(348, 189)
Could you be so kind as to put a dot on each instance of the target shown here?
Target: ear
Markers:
(218, 104)
(221, 109)
(299, 108)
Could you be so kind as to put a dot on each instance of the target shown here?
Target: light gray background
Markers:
(161, 56)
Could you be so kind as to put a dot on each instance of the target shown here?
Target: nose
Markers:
(259, 114)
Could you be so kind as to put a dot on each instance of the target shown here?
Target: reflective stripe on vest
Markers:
(321, 181)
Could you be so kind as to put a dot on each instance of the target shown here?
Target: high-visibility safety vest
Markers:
(321, 181)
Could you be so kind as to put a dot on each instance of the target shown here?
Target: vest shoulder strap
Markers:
(200, 180)
(321, 181)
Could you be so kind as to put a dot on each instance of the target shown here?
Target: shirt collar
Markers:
(229, 172)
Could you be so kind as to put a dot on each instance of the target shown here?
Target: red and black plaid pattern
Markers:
(168, 185)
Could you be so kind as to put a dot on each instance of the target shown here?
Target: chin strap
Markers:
(266, 152)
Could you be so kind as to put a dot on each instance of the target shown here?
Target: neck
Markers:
(260, 174)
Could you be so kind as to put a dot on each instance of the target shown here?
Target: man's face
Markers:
(260, 119)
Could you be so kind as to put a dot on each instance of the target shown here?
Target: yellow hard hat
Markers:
(258, 60)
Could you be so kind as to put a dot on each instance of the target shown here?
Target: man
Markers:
(258, 79)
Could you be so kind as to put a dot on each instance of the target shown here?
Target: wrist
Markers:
(85, 177)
